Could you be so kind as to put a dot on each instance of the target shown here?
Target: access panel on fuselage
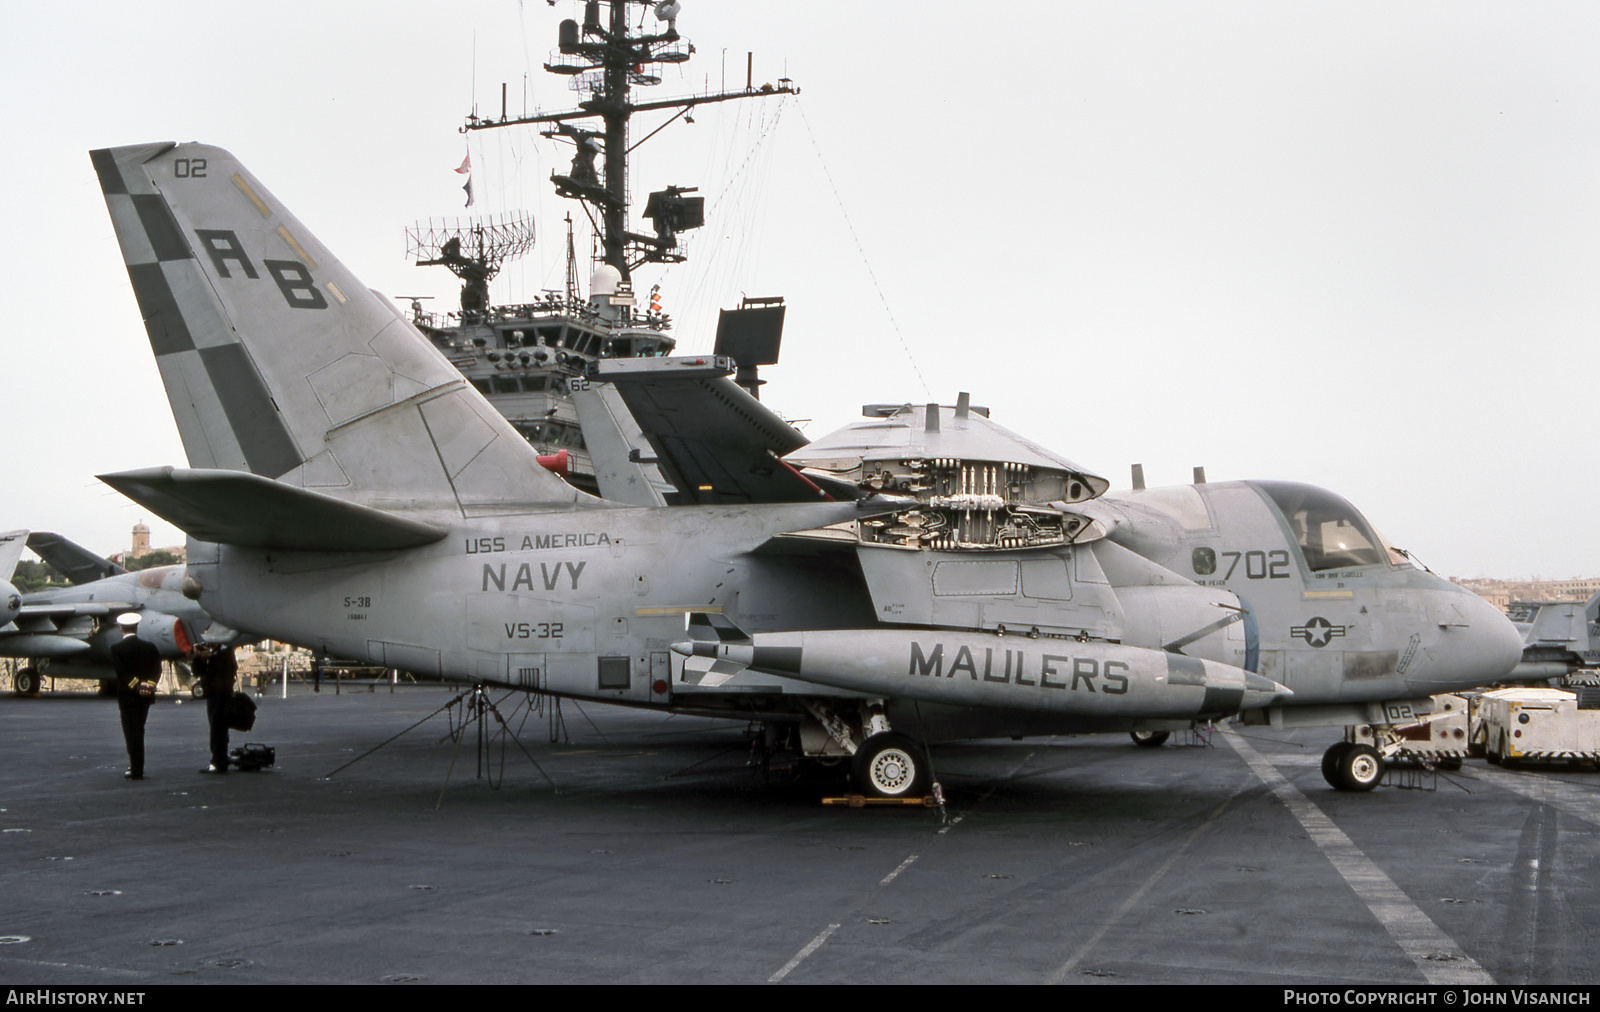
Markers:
(1019, 590)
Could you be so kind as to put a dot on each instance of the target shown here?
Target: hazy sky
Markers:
(1355, 244)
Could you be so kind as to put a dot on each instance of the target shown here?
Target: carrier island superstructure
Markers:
(525, 357)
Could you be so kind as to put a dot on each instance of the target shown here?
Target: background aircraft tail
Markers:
(70, 559)
(11, 545)
(277, 361)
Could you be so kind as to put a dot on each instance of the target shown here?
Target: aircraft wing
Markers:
(70, 559)
(50, 629)
(59, 613)
(239, 508)
(712, 440)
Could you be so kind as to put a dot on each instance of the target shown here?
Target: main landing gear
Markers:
(26, 681)
(883, 763)
(890, 765)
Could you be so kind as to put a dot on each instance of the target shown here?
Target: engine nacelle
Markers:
(10, 602)
(167, 632)
(969, 669)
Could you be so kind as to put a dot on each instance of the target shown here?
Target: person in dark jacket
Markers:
(217, 670)
(137, 664)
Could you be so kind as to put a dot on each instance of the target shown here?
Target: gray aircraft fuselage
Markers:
(535, 601)
(587, 603)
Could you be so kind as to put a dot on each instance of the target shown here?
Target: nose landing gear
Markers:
(1349, 766)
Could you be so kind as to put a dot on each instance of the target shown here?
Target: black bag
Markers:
(240, 714)
(252, 758)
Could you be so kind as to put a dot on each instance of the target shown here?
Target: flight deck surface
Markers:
(658, 860)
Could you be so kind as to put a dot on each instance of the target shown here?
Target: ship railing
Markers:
(556, 306)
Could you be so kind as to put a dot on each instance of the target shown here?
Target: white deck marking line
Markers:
(895, 874)
(816, 942)
(1576, 800)
(1434, 953)
(811, 946)
(1138, 894)
(79, 966)
(992, 788)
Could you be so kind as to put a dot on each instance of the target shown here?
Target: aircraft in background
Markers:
(941, 578)
(68, 632)
(1559, 637)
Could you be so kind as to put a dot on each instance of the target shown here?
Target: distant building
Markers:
(141, 548)
(1501, 593)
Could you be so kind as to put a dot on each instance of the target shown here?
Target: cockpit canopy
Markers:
(1331, 533)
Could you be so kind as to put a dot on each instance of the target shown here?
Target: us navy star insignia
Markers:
(1318, 632)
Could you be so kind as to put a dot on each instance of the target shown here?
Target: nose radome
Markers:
(1479, 645)
(1503, 644)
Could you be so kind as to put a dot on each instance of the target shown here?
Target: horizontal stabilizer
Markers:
(247, 510)
(70, 559)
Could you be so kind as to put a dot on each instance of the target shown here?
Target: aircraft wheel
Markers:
(26, 682)
(1360, 767)
(890, 765)
(1331, 760)
(1150, 739)
(197, 690)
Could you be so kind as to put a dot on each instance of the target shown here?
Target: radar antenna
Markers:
(474, 249)
(606, 58)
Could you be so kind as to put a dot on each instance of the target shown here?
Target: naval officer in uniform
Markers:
(137, 664)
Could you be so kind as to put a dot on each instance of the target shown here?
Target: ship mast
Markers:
(608, 61)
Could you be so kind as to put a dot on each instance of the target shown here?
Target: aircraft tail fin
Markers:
(613, 439)
(277, 361)
(11, 545)
(70, 559)
(1589, 649)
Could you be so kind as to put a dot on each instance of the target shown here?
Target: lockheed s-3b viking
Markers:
(930, 577)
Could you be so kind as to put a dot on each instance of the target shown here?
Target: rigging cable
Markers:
(737, 199)
(893, 323)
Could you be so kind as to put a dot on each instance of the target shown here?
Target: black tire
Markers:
(197, 690)
(1360, 768)
(1331, 760)
(27, 681)
(1150, 739)
(890, 765)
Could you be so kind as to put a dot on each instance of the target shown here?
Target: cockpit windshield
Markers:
(1332, 535)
